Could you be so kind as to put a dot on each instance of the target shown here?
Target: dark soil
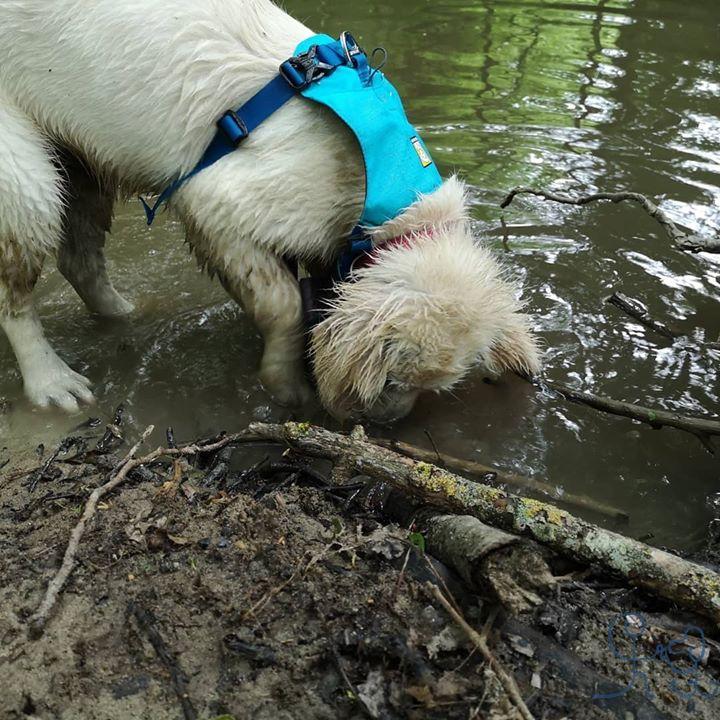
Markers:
(269, 592)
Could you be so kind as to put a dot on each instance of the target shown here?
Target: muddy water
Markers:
(568, 95)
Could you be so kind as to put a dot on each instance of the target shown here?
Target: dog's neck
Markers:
(447, 206)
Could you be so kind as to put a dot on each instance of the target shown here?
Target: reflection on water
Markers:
(577, 95)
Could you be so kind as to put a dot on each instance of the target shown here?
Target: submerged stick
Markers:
(470, 467)
(671, 577)
(683, 241)
(635, 309)
(702, 428)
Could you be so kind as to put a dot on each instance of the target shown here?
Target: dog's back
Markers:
(136, 84)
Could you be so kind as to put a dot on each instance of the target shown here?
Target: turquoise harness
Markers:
(337, 74)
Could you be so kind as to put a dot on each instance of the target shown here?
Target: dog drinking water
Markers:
(276, 148)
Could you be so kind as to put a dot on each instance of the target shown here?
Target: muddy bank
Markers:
(254, 585)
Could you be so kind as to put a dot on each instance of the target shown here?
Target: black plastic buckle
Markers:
(302, 70)
(294, 73)
(233, 126)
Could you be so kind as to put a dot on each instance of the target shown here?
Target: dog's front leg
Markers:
(31, 195)
(262, 283)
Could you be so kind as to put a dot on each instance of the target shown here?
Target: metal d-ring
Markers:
(349, 46)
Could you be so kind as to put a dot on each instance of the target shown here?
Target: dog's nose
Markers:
(390, 409)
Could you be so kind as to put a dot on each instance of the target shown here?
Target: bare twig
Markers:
(118, 476)
(702, 428)
(147, 622)
(299, 572)
(434, 446)
(39, 619)
(635, 309)
(480, 642)
(484, 472)
(268, 596)
(401, 574)
(682, 240)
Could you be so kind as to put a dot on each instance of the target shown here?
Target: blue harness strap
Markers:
(337, 74)
(235, 125)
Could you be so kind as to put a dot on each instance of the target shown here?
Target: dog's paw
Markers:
(52, 382)
(293, 397)
(110, 304)
(287, 386)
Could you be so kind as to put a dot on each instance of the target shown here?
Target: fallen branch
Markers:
(470, 467)
(688, 584)
(702, 428)
(506, 680)
(488, 558)
(682, 240)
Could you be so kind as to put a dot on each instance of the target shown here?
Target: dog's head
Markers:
(418, 319)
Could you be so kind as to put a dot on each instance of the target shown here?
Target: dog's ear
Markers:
(351, 362)
(516, 349)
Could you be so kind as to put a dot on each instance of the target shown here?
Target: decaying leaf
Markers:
(373, 694)
(521, 645)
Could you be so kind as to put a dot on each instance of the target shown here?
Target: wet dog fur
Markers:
(106, 99)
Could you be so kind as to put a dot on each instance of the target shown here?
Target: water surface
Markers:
(576, 96)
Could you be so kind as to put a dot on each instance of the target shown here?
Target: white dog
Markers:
(105, 98)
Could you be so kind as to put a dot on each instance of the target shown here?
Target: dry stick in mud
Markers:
(686, 583)
(38, 620)
(505, 679)
(702, 428)
(470, 467)
(683, 241)
(147, 623)
(119, 475)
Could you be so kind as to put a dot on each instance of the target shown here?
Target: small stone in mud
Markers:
(262, 413)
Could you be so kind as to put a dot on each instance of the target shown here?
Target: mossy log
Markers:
(688, 584)
(582, 503)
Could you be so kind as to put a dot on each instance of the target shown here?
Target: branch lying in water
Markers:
(689, 584)
(469, 467)
(702, 428)
(636, 310)
(683, 241)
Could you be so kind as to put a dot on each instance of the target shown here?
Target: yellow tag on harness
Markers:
(423, 154)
